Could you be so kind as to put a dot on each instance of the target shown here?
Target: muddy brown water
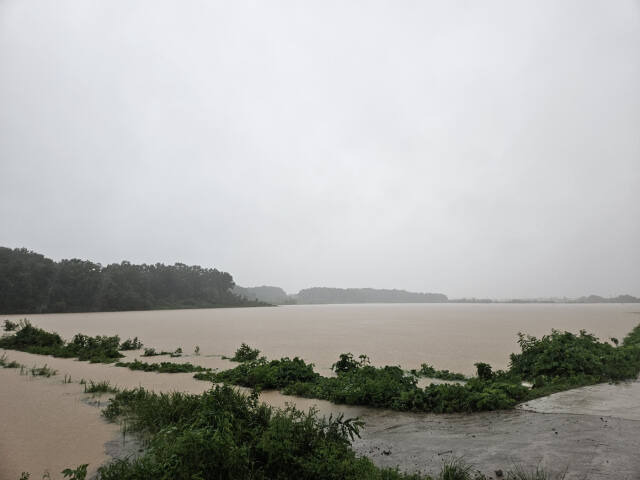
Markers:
(48, 425)
(452, 336)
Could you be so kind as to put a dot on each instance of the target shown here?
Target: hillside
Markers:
(319, 295)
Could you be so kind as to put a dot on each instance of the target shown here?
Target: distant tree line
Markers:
(32, 283)
(365, 295)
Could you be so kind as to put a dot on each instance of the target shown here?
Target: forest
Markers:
(33, 283)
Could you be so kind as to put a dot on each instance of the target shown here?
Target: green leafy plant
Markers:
(245, 354)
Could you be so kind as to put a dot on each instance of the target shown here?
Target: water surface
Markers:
(451, 336)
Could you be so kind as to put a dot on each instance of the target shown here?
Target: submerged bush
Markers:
(265, 374)
(10, 326)
(245, 354)
(130, 344)
(162, 367)
(35, 340)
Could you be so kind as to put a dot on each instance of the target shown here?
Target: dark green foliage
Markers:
(245, 354)
(78, 473)
(151, 352)
(564, 355)
(346, 363)
(633, 338)
(162, 367)
(390, 387)
(265, 374)
(129, 344)
(32, 339)
(428, 371)
(29, 336)
(223, 434)
(31, 283)
(484, 371)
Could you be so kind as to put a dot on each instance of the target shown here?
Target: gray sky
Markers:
(470, 148)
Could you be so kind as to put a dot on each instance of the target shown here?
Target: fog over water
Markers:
(472, 149)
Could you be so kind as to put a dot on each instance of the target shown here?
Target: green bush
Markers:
(130, 344)
(223, 434)
(162, 367)
(35, 340)
(245, 354)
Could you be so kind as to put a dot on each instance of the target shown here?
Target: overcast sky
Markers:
(470, 148)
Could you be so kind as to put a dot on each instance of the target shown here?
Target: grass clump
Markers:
(5, 363)
(99, 387)
(43, 371)
(224, 434)
(27, 338)
(245, 354)
(162, 367)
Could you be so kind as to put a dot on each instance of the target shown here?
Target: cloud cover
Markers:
(486, 149)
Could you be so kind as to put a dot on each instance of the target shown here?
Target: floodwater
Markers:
(451, 336)
(47, 425)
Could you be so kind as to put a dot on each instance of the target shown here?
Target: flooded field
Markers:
(48, 425)
(451, 336)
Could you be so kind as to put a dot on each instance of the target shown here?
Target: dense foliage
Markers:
(223, 434)
(428, 371)
(32, 283)
(263, 374)
(35, 340)
(564, 355)
(245, 354)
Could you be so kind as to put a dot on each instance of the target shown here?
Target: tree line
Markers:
(33, 283)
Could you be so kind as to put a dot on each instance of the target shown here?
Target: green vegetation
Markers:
(162, 367)
(78, 473)
(224, 434)
(5, 363)
(44, 371)
(99, 349)
(428, 371)
(563, 360)
(129, 344)
(151, 352)
(32, 283)
(10, 326)
(555, 362)
(99, 387)
(245, 354)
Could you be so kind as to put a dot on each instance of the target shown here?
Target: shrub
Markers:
(129, 344)
(245, 354)
(224, 434)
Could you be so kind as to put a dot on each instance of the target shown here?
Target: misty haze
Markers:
(319, 240)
